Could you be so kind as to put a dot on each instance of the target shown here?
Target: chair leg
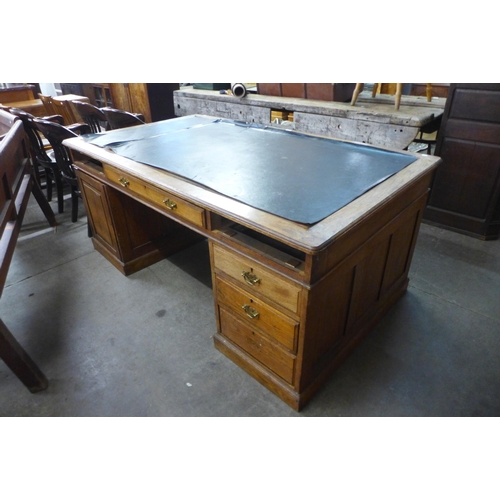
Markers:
(399, 92)
(60, 193)
(48, 183)
(43, 204)
(428, 91)
(357, 90)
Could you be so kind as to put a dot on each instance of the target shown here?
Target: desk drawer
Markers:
(258, 314)
(257, 278)
(258, 346)
(171, 204)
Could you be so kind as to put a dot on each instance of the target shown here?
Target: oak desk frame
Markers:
(291, 300)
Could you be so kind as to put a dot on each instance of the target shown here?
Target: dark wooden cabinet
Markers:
(465, 195)
(153, 100)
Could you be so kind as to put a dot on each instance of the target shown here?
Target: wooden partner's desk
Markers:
(291, 299)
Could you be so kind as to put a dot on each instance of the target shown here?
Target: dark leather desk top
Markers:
(292, 175)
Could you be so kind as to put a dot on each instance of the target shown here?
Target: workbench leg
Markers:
(43, 203)
(16, 358)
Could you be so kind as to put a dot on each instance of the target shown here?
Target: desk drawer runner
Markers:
(257, 278)
(256, 345)
(171, 204)
(257, 314)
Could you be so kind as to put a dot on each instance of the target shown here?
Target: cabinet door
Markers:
(131, 97)
(125, 231)
(96, 204)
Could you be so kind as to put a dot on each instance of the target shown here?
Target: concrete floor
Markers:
(142, 346)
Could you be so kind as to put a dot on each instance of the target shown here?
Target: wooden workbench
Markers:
(371, 121)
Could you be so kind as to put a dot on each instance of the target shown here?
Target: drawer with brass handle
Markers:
(257, 277)
(171, 203)
(257, 345)
(257, 313)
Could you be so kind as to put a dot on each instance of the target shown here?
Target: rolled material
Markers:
(239, 90)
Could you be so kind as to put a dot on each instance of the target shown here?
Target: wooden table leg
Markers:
(16, 358)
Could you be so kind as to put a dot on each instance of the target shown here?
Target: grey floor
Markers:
(142, 345)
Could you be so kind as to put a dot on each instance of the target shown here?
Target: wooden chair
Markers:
(64, 109)
(359, 88)
(56, 134)
(91, 115)
(397, 96)
(118, 118)
(48, 104)
(43, 156)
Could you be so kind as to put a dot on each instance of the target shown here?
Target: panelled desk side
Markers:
(291, 301)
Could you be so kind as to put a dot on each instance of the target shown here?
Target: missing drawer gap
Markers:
(88, 162)
(291, 257)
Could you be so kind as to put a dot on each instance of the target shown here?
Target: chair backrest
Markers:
(48, 104)
(56, 134)
(35, 138)
(118, 118)
(91, 115)
(64, 109)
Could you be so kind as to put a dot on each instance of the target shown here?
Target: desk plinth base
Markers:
(132, 266)
(257, 371)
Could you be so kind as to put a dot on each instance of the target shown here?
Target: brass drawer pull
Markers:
(250, 278)
(250, 311)
(124, 182)
(171, 205)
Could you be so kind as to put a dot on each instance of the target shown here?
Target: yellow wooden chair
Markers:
(397, 96)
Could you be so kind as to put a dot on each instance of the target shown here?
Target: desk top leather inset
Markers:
(288, 174)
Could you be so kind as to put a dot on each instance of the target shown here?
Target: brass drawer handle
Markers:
(124, 182)
(171, 205)
(250, 311)
(250, 278)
